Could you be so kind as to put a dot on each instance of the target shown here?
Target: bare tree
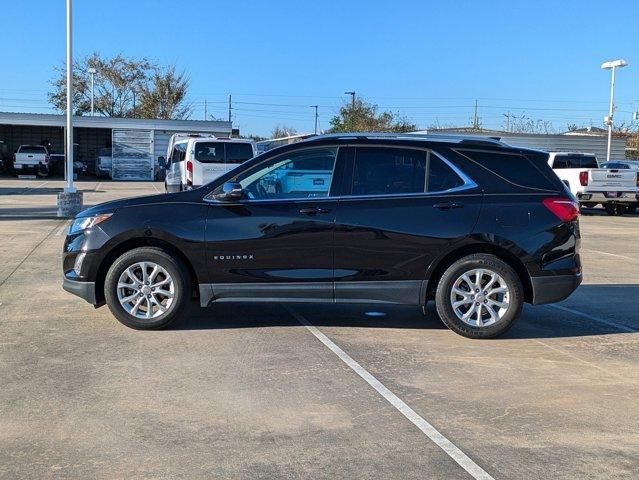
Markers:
(280, 131)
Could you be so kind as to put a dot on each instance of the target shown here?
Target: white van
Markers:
(194, 160)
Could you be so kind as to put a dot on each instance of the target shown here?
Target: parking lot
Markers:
(302, 391)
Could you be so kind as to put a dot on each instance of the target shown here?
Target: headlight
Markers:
(83, 223)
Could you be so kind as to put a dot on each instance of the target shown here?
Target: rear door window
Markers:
(30, 149)
(388, 171)
(575, 161)
(209, 152)
(513, 167)
(237, 152)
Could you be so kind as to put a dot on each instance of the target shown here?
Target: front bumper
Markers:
(85, 290)
(554, 288)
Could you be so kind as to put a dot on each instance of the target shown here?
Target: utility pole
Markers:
(92, 71)
(316, 116)
(205, 110)
(352, 94)
(475, 118)
(134, 92)
(230, 107)
(507, 115)
(613, 66)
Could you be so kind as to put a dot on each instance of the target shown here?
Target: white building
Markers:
(136, 142)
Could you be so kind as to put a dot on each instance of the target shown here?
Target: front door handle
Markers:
(314, 211)
(447, 205)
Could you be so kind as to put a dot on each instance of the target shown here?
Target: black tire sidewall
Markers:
(175, 269)
(445, 309)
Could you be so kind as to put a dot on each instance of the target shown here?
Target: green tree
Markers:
(164, 96)
(364, 117)
(120, 85)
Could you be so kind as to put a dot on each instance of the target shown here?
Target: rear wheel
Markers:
(146, 288)
(615, 209)
(479, 296)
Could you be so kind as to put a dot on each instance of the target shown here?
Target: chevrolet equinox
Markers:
(475, 225)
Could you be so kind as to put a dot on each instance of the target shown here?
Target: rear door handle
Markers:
(447, 205)
(314, 211)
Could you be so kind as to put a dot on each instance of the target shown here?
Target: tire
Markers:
(506, 306)
(169, 267)
(630, 209)
(615, 209)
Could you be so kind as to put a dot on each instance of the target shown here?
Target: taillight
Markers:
(189, 173)
(46, 159)
(638, 179)
(583, 178)
(564, 209)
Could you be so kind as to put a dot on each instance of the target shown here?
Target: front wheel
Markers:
(479, 296)
(147, 289)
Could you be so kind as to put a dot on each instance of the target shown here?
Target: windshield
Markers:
(32, 149)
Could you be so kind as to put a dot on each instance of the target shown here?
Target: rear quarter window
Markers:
(513, 167)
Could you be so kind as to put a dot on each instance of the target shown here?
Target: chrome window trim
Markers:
(468, 182)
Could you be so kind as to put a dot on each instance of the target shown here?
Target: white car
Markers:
(195, 160)
(616, 190)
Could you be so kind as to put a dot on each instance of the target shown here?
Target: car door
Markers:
(405, 206)
(173, 177)
(276, 243)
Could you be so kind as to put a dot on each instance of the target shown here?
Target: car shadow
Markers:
(26, 191)
(536, 321)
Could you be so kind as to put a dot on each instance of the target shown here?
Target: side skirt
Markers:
(405, 292)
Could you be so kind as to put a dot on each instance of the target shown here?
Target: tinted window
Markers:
(513, 167)
(302, 174)
(440, 176)
(384, 171)
(620, 166)
(575, 161)
(209, 152)
(30, 149)
(238, 152)
(179, 152)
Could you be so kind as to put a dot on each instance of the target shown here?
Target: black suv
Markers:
(473, 224)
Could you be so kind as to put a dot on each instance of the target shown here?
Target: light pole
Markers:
(69, 201)
(316, 116)
(612, 65)
(69, 156)
(92, 71)
(352, 94)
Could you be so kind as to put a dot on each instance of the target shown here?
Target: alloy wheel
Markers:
(480, 297)
(145, 290)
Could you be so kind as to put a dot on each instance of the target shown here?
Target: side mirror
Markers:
(162, 162)
(231, 191)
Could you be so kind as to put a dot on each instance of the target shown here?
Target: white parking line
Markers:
(431, 432)
(612, 254)
(62, 228)
(610, 323)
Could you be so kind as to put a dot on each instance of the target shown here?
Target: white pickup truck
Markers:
(616, 190)
(31, 159)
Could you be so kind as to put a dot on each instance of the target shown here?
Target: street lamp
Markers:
(612, 65)
(352, 94)
(92, 71)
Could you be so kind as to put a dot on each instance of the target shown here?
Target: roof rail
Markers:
(461, 139)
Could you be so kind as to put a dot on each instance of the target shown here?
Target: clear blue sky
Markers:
(428, 60)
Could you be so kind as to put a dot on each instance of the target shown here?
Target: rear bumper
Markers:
(601, 197)
(85, 290)
(554, 288)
